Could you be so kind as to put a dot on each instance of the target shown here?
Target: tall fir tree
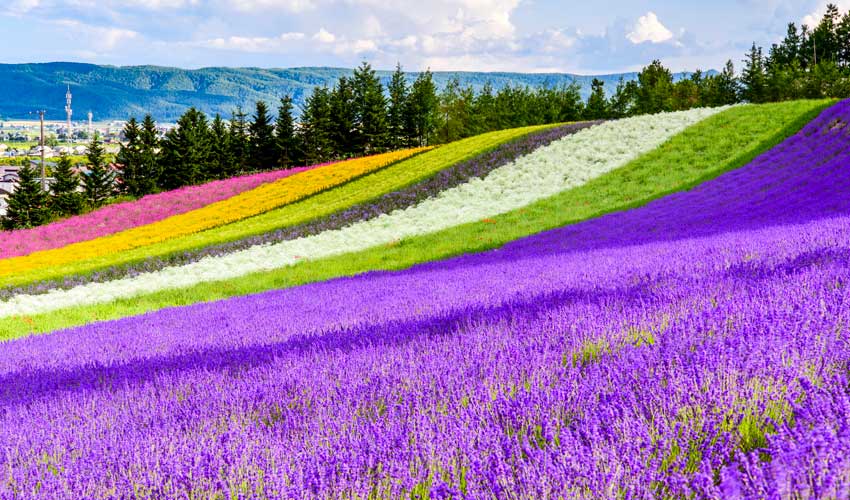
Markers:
(263, 152)
(341, 126)
(185, 152)
(754, 78)
(221, 163)
(597, 103)
(149, 142)
(28, 205)
(315, 124)
(370, 110)
(238, 139)
(398, 93)
(422, 110)
(133, 176)
(843, 36)
(65, 199)
(288, 149)
(99, 182)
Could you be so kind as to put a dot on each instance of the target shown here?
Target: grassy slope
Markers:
(360, 190)
(721, 143)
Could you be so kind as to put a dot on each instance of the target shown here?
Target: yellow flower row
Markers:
(247, 204)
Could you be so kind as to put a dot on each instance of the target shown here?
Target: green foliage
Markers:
(65, 199)
(398, 96)
(99, 182)
(723, 142)
(28, 205)
(597, 104)
(221, 162)
(288, 147)
(185, 154)
(136, 180)
(238, 139)
(370, 111)
(263, 152)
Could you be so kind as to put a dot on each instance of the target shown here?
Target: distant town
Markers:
(20, 144)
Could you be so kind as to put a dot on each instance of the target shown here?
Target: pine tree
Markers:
(655, 92)
(370, 110)
(221, 164)
(133, 177)
(185, 151)
(99, 183)
(150, 173)
(341, 127)
(287, 142)
(66, 199)
(622, 103)
(843, 38)
(422, 110)
(484, 109)
(753, 78)
(263, 153)
(396, 111)
(315, 127)
(597, 104)
(28, 205)
(238, 140)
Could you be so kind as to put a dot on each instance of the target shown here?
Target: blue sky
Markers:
(596, 36)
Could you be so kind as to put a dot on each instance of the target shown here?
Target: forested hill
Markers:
(112, 92)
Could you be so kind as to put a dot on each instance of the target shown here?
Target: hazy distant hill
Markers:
(112, 92)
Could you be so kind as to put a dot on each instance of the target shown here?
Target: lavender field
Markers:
(696, 347)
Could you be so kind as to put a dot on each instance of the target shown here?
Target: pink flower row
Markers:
(122, 216)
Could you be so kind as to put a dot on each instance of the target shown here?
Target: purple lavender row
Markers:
(679, 363)
(476, 167)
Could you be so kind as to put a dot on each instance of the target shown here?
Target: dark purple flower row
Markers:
(478, 166)
(693, 348)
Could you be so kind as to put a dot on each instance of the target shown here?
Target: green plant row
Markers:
(719, 144)
(357, 191)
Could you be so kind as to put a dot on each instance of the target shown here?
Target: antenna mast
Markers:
(69, 135)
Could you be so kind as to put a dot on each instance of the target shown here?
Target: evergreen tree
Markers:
(238, 139)
(655, 92)
(825, 36)
(340, 127)
(370, 111)
(28, 205)
(597, 104)
(842, 33)
(484, 110)
(396, 111)
(99, 183)
(287, 141)
(66, 199)
(185, 151)
(727, 88)
(148, 157)
(134, 179)
(263, 152)
(422, 110)
(221, 164)
(753, 78)
(315, 124)
(622, 104)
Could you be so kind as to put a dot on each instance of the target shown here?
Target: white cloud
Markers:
(324, 36)
(253, 44)
(266, 5)
(649, 29)
(101, 38)
(813, 18)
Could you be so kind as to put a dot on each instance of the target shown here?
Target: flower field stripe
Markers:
(719, 144)
(121, 216)
(544, 367)
(477, 167)
(357, 191)
(564, 164)
(256, 201)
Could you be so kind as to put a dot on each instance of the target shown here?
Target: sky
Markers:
(586, 37)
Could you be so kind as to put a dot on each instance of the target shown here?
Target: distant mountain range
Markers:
(111, 92)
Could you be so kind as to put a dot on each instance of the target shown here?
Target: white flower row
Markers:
(564, 164)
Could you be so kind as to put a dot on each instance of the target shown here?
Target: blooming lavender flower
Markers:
(695, 347)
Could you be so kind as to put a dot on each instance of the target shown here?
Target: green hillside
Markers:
(112, 92)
